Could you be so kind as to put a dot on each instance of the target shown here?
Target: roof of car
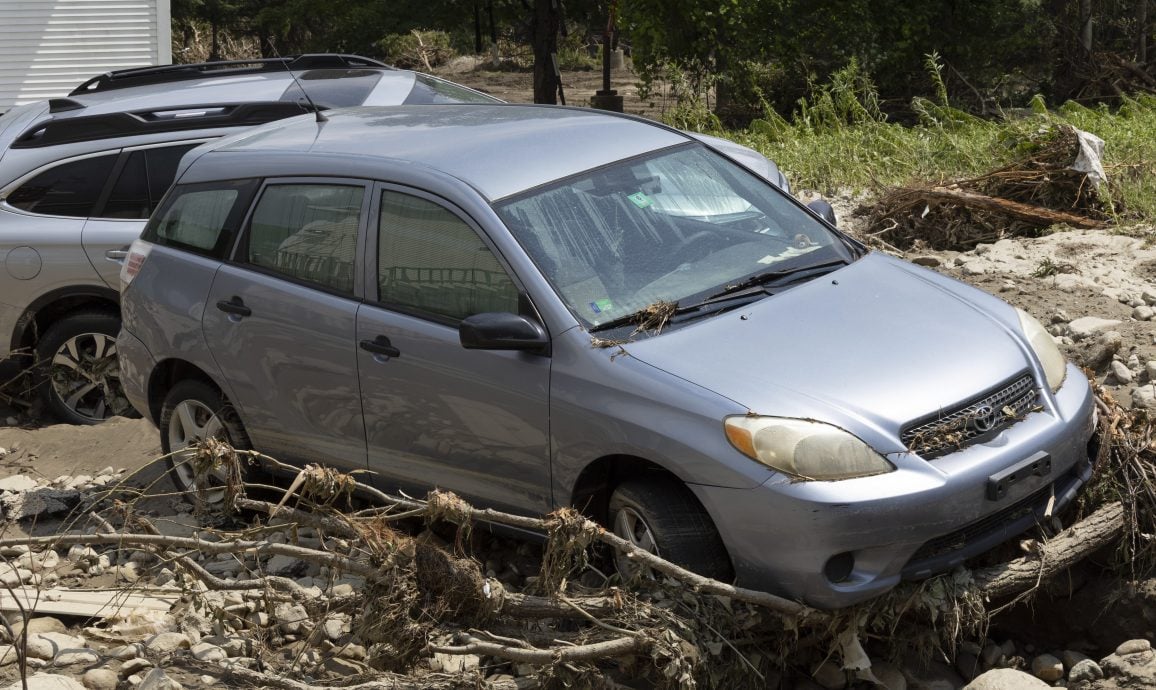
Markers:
(499, 149)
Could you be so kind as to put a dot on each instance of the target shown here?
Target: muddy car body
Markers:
(757, 395)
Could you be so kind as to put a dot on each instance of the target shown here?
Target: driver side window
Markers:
(432, 262)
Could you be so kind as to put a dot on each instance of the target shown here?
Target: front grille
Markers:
(983, 417)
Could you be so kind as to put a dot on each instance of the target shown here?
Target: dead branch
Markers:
(383, 681)
(1060, 553)
(608, 649)
(1036, 215)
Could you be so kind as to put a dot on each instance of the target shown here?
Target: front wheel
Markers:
(77, 373)
(192, 412)
(663, 517)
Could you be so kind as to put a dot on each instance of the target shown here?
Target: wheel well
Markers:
(598, 480)
(38, 318)
(166, 375)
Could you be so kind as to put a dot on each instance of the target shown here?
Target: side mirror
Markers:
(824, 210)
(501, 331)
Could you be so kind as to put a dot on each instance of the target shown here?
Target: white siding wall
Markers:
(47, 47)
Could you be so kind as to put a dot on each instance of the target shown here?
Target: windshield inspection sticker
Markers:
(639, 199)
(601, 305)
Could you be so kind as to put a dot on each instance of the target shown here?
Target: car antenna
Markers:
(316, 111)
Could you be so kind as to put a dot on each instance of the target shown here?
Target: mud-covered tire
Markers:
(662, 516)
(192, 411)
(76, 374)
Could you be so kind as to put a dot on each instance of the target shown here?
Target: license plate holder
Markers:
(1038, 465)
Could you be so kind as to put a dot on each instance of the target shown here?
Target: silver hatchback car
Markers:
(537, 307)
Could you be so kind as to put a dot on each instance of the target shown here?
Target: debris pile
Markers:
(1059, 181)
(313, 591)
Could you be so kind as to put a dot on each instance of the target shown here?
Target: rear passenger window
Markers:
(201, 218)
(70, 189)
(431, 261)
(144, 179)
(307, 232)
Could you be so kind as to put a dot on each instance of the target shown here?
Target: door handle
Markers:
(234, 306)
(117, 255)
(380, 346)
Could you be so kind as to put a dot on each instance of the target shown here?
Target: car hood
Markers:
(869, 348)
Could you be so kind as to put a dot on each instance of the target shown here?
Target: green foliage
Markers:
(868, 153)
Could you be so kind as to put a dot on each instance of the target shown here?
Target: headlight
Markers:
(1051, 359)
(809, 450)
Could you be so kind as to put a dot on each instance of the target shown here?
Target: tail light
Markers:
(137, 253)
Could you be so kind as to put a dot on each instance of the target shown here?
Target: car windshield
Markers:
(676, 226)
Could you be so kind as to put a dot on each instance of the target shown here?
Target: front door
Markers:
(280, 321)
(437, 415)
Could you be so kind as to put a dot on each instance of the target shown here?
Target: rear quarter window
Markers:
(201, 218)
(69, 189)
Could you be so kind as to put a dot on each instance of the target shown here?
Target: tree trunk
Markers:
(1142, 32)
(1086, 26)
(477, 27)
(546, 22)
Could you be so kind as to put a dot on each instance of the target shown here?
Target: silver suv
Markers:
(79, 176)
(537, 307)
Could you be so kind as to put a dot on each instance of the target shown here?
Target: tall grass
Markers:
(839, 139)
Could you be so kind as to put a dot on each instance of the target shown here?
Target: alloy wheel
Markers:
(191, 422)
(631, 526)
(85, 377)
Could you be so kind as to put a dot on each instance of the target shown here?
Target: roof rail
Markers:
(141, 76)
(168, 119)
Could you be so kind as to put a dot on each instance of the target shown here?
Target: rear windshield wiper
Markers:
(776, 279)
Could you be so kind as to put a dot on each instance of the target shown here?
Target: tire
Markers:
(193, 411)
(663, 516)
(77, 374)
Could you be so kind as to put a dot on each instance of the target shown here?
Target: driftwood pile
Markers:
(410, 593)
(1022, 199)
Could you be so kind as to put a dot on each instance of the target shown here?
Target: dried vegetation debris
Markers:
(410, 593)
(1058, 181)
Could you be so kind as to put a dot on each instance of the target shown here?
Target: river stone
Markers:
(1133, 647)
(1005, 679)
(1047, 668)
(47, 681)
(1085, 670)
(1090, 325)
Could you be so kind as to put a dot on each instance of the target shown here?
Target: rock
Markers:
(39, 502)
(1133, 647)
(8, 655)
(168, 642)
(100, 679)
(1100, 352)
(69, 657)
(129, 651)
(1121, 372)
(47, 645)
(157, 680)
(990, 655)
(1047, 668)
(134, 666)
(355, 652)
(290, 617)
(929, 261)
(974, 268)
(1090, 325)
(1005, 679)
(829, 676)
(208, 652)
(47, 681)
(1144, 397)
(1085, 670)
(1144, 313)
(41, 624)
(285, 566)
(1149, 296)
(342, 667)
(1070, 658)
(17, 483)
(334, 629)
(889, 676)
(967, 664)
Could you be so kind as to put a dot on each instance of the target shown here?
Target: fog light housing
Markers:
(839, 567)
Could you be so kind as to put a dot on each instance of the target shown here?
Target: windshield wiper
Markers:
(776, 278)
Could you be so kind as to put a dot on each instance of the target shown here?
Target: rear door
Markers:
(280, 321)
(140, 178)
(471, 421)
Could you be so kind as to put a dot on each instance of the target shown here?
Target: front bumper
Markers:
(902, 525)
(136, 362)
